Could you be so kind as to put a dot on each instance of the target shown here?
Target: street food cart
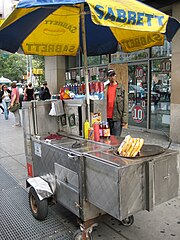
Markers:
(89, 178)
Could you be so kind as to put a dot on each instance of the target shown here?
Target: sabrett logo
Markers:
(65, 25)
(45, 48)
(129, 17)
(141, 41)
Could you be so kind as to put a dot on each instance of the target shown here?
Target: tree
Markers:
(12, 66)
(38, 62)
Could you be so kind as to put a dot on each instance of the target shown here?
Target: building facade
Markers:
(154, 102)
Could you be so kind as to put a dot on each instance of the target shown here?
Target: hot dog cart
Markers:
(89, 178)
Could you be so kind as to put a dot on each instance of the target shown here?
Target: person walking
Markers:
(117, 104)
(29, 92)
(44, 92)
(6, 97)
(15, 99)
(1, 93)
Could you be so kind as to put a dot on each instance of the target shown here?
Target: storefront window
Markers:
(162, 51)
(161, 90)
(121, 57)
(137, 95)
(94, 60)
(105, 59)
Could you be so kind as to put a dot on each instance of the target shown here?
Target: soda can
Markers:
(91, 88)
(101, 86)
(96, 87)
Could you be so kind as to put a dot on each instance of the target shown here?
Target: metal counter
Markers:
(90, 178)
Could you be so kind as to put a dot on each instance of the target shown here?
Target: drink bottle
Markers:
(101, 129)
(106, 130)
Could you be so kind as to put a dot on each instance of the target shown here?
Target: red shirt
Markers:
(111, 94)
(15, 92)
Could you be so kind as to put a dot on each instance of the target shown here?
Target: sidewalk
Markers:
(163, 223)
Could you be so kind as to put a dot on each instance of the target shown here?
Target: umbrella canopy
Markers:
(52, 28)
(4, 80)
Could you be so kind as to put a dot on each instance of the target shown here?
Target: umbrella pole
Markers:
(85, 60)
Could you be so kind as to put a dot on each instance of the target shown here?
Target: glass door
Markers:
(160, 94)
(138, 94)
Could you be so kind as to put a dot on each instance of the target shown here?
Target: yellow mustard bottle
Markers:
(86, 128)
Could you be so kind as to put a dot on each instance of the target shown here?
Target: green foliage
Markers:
(12, 66)
(38, 62)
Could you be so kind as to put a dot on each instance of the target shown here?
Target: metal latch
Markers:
(73, 156)
(166, 177)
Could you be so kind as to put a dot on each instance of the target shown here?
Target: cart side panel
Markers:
(67, 188)
(102, 185)
(61, 171)
(166, 178)
(44, 162)
(132, 190)
(43, 122)
(27, 117)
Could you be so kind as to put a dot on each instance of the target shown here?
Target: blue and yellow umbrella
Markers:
(53, 27)
(61, 27)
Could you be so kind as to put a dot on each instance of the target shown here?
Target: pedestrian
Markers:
(6, 97)
(44, 92)
(29, 92)
(25, 95)
(15, 100)
(1, 93)
(117, 104)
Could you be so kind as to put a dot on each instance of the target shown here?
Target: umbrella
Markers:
(53, 27)
(4, 80)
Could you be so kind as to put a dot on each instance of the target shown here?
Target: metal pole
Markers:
(85, 59)
(27, 67)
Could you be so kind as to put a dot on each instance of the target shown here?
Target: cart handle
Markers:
(70, 155)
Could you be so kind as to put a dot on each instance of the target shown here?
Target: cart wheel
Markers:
(128, 221)
(38, 207)
(77, 235)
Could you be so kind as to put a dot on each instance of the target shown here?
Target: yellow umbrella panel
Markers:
(134, 26)
(58, 34)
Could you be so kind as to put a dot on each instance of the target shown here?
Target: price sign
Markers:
(166, 66)
(138, 114)
(139, 73)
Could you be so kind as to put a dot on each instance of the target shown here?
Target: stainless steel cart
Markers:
(89, 178)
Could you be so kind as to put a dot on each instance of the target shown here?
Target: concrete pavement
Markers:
(163, 223)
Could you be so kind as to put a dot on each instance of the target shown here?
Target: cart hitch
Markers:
(87, 232)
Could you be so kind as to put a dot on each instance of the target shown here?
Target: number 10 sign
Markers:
(138, 114)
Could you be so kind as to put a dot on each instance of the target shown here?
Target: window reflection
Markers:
(162, 51)
(137, 95)
(161, 84)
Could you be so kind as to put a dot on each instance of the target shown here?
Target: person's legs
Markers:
(2, 108)
(5, 106)
(117, 128)
(111, 125)
(17, 118)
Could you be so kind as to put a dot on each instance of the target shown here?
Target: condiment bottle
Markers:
(86, 127)
(96, 132)
(106, 130)
(101, 129)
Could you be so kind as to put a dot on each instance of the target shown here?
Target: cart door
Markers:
(67, 188)
(165, 179)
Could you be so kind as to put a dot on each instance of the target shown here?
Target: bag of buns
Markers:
(130, 147)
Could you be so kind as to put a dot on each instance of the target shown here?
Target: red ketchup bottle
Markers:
(96, 132)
